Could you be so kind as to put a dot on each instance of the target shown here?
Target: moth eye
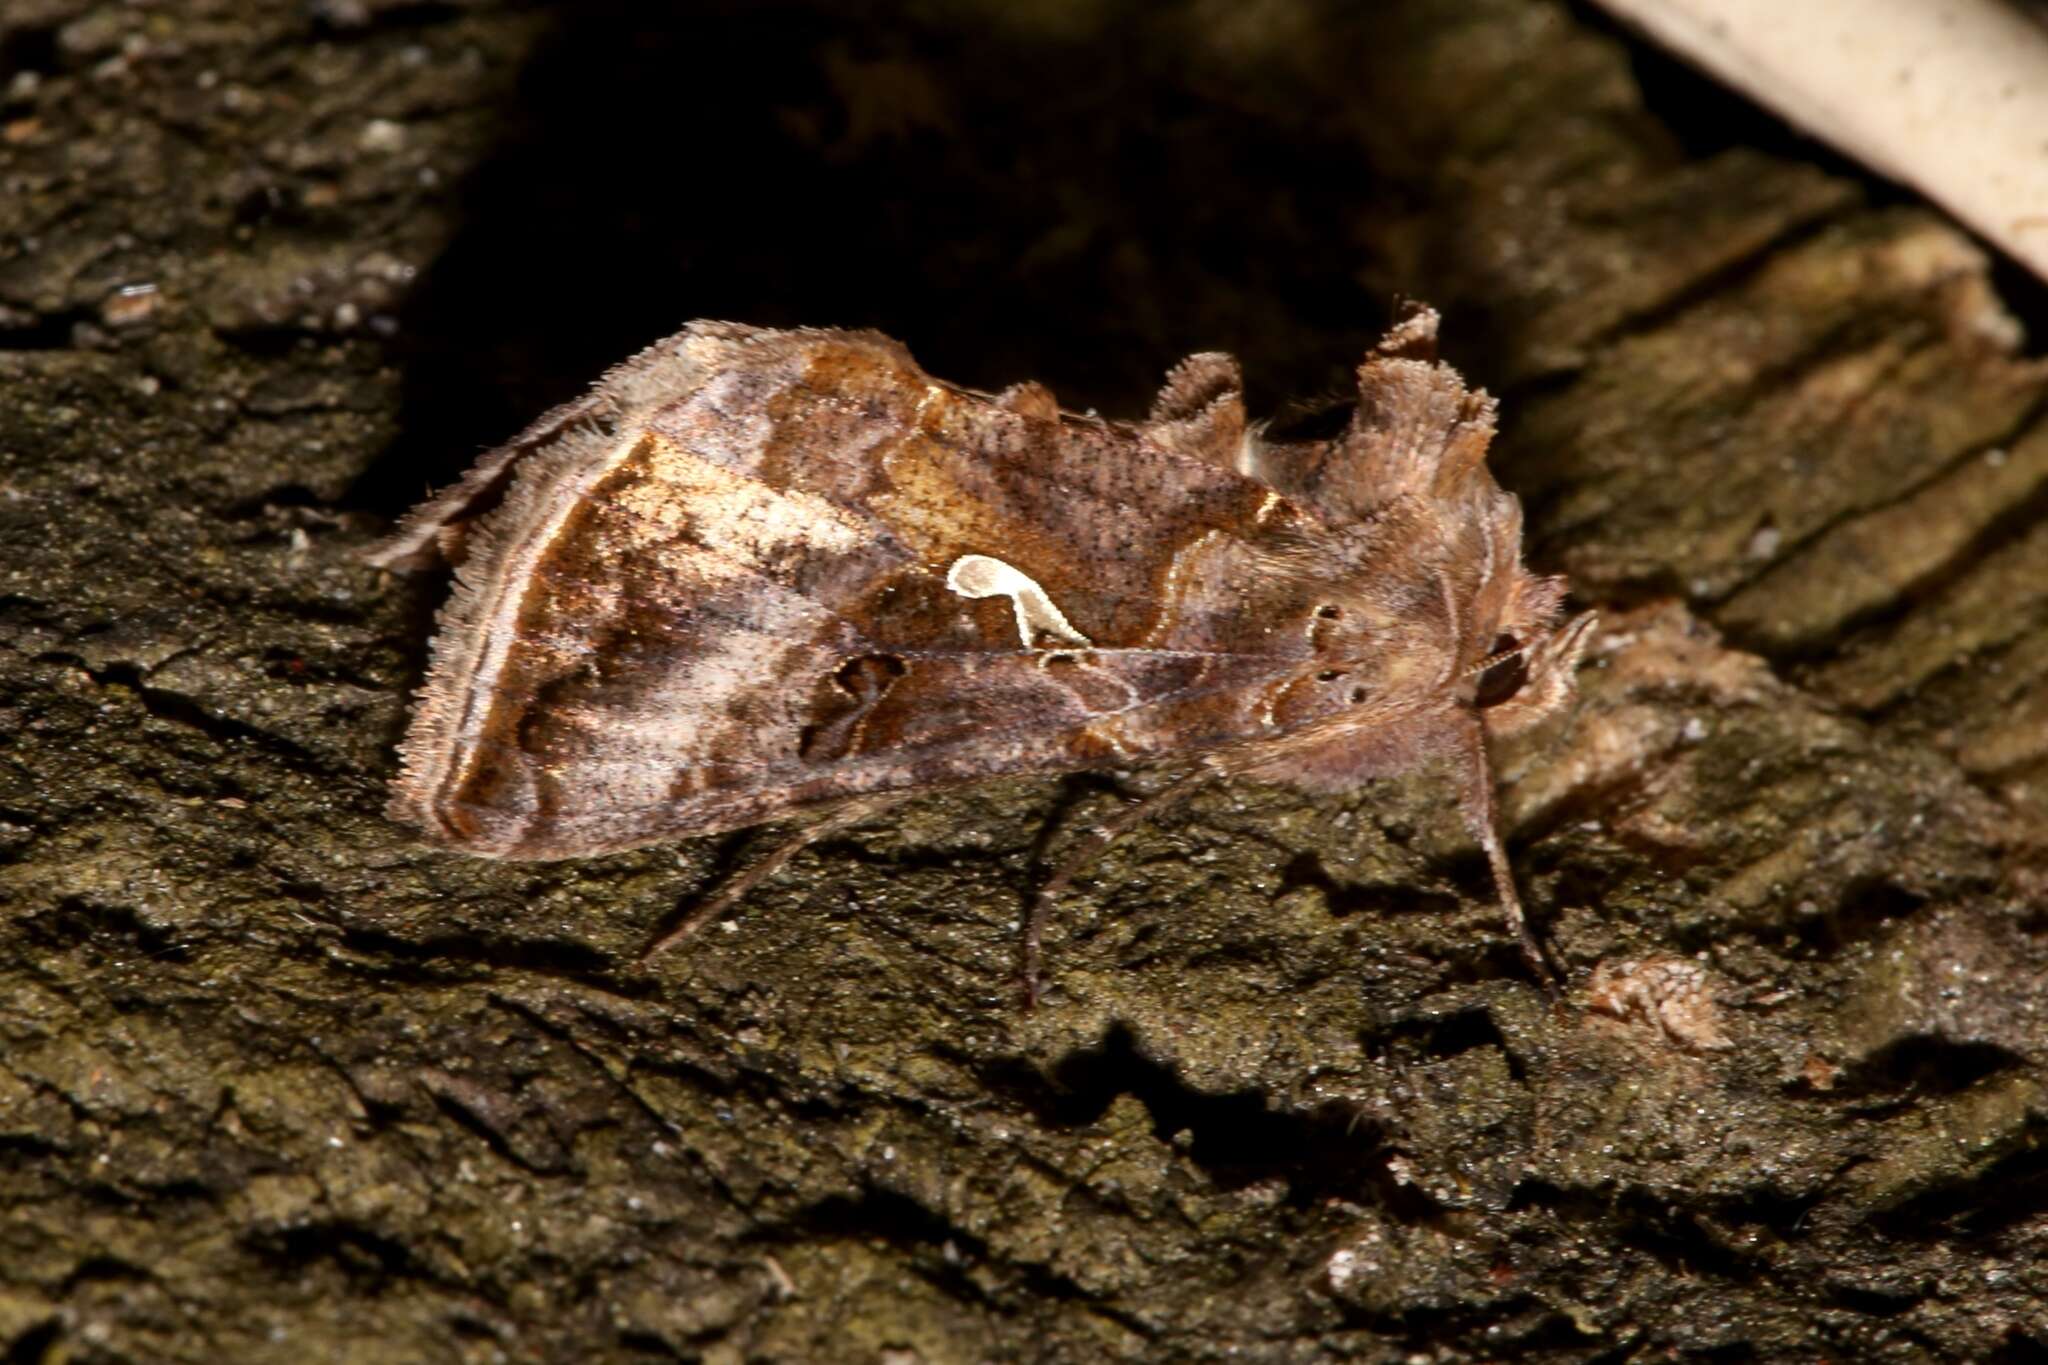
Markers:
(1329, 611)
(1330, 675)
(1501, 680)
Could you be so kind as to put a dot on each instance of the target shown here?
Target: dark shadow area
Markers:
(81, 920)
(357, 1252)
(37, 1344)
(1012, 203)
(1421, 1039)
(2020, 1348)
(2009, 1194)
(1237, 1139)
(178, 709)
(456, 956)
(950, 1258)
(1867, 908)
(28, 49)
(937, 1249)
(1706, 117)
(1346, 898)
(1673, 1238)
(1926, 1064)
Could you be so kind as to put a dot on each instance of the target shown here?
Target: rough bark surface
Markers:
(277, 1084)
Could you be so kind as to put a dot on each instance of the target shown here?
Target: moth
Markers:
(763, 576)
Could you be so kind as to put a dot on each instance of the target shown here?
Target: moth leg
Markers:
(1479, 814)
(1511, 904)
(1098, 840)
(732, 889)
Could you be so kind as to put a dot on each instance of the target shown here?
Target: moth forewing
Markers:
(759, 576)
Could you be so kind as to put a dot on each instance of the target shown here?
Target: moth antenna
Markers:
(1480, 815)
(735, 887)
(1099, 839)
(1501, 657)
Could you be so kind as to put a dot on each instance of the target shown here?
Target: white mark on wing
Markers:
(1251, 452)
(983, 576)
(1169, 593)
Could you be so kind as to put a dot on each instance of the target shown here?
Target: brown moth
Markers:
(760, 576)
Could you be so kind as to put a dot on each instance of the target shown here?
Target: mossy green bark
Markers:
(277, 1083)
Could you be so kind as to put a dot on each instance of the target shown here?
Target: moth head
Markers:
(1531, 666)
(1516, 658)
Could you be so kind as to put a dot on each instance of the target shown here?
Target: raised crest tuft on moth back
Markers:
(763, 576)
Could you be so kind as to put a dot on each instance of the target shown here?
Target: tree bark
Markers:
(278, 1083)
